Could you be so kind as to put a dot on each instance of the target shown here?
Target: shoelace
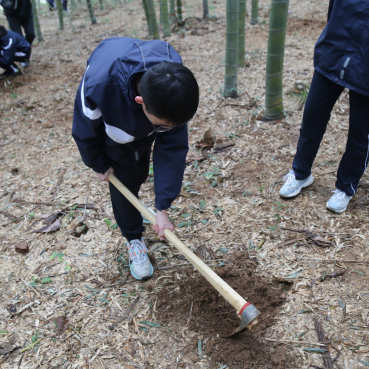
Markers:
(339, 194)
(289, 178)
(137, 251)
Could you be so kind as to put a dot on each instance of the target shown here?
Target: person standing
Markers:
(341, 60)
(20, 16)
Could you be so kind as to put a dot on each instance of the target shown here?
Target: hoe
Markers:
(247, 312)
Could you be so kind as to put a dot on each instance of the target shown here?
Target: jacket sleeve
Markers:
(7, 52)
(169, 159)
(88, 131)
(330, 7)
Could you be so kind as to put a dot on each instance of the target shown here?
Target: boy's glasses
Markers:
(160, 129)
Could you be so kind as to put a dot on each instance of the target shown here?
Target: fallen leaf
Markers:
(61, 324)
(49, 228)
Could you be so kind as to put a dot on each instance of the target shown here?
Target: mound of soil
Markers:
(192, 301)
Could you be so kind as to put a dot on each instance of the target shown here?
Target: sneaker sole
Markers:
(306, 184)
(335, 211)
(135, 276)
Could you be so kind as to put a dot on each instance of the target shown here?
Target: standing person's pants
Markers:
(322, 96)
(132, 169)
(16, 24)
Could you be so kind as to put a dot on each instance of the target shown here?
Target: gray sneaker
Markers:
(338, 202)
(292, 187)
(139, 261)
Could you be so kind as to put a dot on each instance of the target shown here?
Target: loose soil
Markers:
(191, 301)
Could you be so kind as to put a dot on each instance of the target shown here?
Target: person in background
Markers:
(20, 16)
(133, 93)
(13, 47)
(341, 60)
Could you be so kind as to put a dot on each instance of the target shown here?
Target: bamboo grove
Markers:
(171, 12)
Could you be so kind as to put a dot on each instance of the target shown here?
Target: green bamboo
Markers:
(230, 81)
(147, 15)
(101, 5)
(73, 4)
(179, 11)
(153, 21)
(205, 9)
(59, 5)
(91, 11)
(165, 16)
(241, 34)
(254, 12)
(36, 21)
(274, 64)
(172, 8)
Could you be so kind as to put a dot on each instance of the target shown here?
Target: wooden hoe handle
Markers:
(222, 287)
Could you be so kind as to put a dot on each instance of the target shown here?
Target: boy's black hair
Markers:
(170, 91)
(3, 31)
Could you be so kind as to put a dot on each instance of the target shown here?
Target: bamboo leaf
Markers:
(46, 280)
(150, 324)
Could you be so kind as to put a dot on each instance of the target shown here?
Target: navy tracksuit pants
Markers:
(322, 96)
(131, 167)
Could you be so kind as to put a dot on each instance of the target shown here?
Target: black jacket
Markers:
(106, 114)
(24, 9)
(342, 50)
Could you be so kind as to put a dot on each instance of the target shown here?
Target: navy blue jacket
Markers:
(24, 9)
(106, 114)
(12, 45)
(342, 50)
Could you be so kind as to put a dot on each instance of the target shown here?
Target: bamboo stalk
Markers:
(230, 81)
(179, 11)
(165, 16)
(241, 33)
(147, 15)
(60, 13)
(205, 9)
(254, 12)
(91, 11)
(274, 66)
(36, 21)
(153, 21)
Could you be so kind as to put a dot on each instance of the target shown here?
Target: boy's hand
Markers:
(104, 177)
(163, 223)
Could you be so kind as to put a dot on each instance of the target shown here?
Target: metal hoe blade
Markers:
(249, 319)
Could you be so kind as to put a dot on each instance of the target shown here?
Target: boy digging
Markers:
(133, 93)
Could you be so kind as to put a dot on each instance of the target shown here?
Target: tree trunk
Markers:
(164, 12)
(153, 21)
(147, 15)
(230, 82)
(101, 5)
(179, 11)
(274, 64)
(172, 8)
(241, 34)
(205, 9)
(255, 12)
(36, 21)
(59, 5)
(73, 4)
(91, 11)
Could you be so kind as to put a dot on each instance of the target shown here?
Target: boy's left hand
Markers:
(163, 223)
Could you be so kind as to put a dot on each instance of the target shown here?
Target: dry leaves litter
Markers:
(70, 302)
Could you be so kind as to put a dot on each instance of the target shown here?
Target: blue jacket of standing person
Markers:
(342, 50)
(106, 114)
(11, 45)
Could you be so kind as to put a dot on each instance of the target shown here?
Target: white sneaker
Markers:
(292, 187)
(139, 261)
(338, 202)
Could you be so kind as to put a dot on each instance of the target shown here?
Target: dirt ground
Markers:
(71, 303)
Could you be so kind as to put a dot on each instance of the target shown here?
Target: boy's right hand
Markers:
(104, 177)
